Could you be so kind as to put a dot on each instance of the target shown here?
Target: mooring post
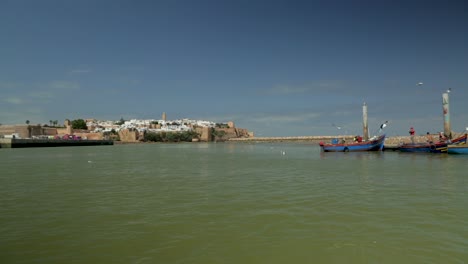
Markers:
(365, 128)
(446, 111)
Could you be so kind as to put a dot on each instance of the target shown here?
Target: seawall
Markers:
(35, 143)
(290, 139)
(389, 141)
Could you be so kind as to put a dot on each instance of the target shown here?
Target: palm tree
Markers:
(27, 122)
(50, 121)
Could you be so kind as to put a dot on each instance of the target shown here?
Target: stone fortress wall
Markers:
(125, 135)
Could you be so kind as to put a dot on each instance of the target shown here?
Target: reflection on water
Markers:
(368, 155)
(235, 203)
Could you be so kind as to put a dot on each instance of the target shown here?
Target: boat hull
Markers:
(439, 147)
(373, 145)
(457, 149)
(459, 140)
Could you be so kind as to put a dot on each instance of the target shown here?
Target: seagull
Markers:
(419, 84)
(382, 126)
(449, 89)
(336, 126)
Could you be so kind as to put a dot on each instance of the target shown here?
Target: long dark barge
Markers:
(39, 143)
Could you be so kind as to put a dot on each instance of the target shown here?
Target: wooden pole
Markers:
(365, 128)
(446, 111)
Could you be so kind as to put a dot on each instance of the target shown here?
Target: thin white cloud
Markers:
(285, 89)
(64, 85)
(20, 115)
(42, 94)
(312, 87)
(285, 118)
(14, 100)
(30, 100)
(80, 71)
(5, 86)
(265, 118)
(343, 113)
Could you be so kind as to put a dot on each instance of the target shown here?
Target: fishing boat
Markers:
(373, 144)
(436, 147)
(459, 140)
(458, 149)
(458, 145)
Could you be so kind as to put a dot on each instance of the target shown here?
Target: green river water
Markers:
(231, 203)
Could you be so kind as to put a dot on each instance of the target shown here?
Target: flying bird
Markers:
(449, 89)
(382, 126)
(419, 84)
(336, 126)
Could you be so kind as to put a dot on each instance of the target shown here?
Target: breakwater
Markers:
(35, 143)
(389, 141)
(287, 139)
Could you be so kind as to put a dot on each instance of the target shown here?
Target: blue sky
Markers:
(277, 68)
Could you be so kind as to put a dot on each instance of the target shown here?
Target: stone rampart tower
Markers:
(68, 127)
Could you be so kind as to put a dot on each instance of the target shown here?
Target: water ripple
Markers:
(230, 203)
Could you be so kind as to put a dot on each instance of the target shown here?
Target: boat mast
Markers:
(365, 128)
(445, 108)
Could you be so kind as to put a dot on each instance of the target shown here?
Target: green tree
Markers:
(218, 134)
(153, 137)
(221, 125)
(113, 135)
(79, 124)
(120, 122)
(27, 122)
(185, 136)
(188, 135)
(173, 137)
(163, 136)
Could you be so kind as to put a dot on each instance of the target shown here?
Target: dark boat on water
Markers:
(458, 146)
(436, 147)
(459, 140)
(458, 149)
(375, 144)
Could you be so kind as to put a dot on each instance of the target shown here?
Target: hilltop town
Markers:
(134, 130)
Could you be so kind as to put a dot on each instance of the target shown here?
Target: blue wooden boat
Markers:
(370, 145)
(459, 140)
(458, 149)
(437, 147)
(458, 146)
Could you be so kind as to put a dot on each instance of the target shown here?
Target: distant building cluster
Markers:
(151, 125)
(125, 130)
